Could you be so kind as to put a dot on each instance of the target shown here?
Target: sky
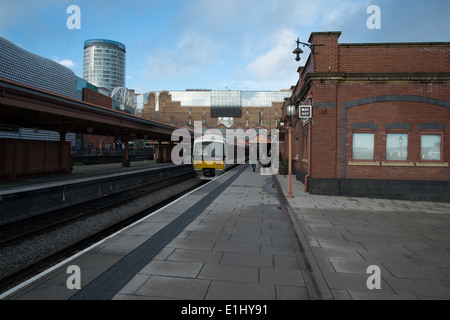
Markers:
(213, 44)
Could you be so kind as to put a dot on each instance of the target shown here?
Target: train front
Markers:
(209, 156)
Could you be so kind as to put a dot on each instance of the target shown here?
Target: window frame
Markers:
(398, 131)
(432, 132)
(366, 131)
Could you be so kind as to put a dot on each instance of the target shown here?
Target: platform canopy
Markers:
(29, 107)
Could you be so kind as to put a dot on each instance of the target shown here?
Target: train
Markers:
(212, 155)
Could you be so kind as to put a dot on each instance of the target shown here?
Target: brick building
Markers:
(381, 119)
(230, 108)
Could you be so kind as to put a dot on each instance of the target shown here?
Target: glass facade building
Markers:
(22, 66)
(104, 63)
(227, 107)
(227, 100)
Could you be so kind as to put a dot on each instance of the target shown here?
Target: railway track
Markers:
(23, 229)
(13, 235)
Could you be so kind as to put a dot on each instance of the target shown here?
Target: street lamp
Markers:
(400, 142)
(290, 111)
(299, 51)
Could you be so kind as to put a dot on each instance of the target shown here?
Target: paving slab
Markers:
(408, 240)
(231, 239)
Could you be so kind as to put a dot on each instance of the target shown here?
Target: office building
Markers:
(104, 63)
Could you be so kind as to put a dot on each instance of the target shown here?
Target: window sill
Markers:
(364, 163)
(432, 164)
(397, 164)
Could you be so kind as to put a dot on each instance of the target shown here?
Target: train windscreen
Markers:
(209, 149)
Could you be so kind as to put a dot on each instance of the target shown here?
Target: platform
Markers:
(33, 196)
(236, 238)
(78, 172)
(229, 239)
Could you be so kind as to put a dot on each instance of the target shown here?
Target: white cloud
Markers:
(277, 65)
(193, 52)
(195, 48)
(252, 39)
(248, 44)
(65, 62)
(269, 63)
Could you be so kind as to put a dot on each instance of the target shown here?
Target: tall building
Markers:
(104, 63)
(22, 66)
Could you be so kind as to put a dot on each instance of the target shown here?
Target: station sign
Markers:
(305, 112)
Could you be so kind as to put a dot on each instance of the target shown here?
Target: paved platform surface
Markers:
(236, 238)
(229, 240)
(409, 241)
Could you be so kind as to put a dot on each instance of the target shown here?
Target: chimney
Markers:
(326, 52)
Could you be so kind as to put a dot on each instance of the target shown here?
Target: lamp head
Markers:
(290, 109)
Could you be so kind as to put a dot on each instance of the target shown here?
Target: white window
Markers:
(431, 147)
(363, 146)
(396, 146)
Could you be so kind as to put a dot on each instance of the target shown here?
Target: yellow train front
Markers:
(209, 156)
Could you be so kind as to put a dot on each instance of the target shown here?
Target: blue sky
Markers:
(213, 44)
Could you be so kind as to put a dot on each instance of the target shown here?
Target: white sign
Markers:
(305, 112)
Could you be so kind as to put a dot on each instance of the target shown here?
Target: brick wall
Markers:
(373, 85)
(393, 58)
(171, 112)
(97, 98)
(326, 57)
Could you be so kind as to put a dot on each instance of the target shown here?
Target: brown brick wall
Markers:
(411, 113)
(172, 111)
(394, 59)
(414, 88)
(97, 98)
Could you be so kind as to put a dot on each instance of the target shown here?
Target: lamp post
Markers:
(400, 142)
(290, 111)
(298, 52)
(282, 129)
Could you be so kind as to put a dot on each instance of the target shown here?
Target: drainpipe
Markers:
(309, 153)
(309, 147)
